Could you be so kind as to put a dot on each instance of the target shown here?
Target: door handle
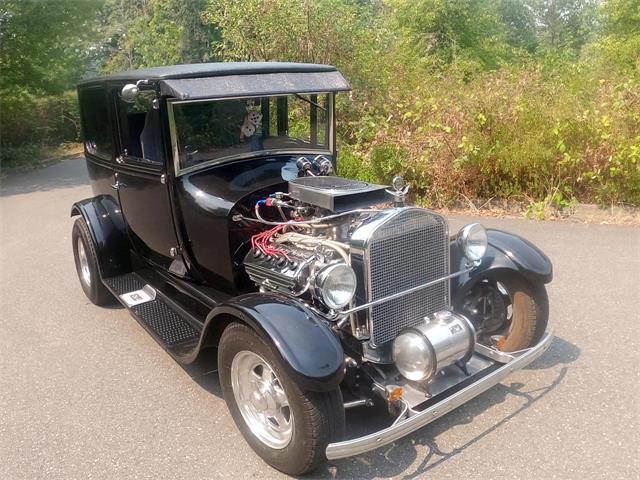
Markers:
(118, 185)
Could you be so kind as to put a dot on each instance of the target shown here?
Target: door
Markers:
(141, 185)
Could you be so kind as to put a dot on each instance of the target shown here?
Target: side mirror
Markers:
(129, 93)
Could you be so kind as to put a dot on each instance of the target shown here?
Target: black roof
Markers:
(202, 70)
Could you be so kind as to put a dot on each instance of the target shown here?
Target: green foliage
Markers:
(44, 44)
(44, 49)
(564, 24)
(526, 134)
(44, 121)
(286, 30)
(148, 33)
(533, 100)
(13, 157)
(448, 30)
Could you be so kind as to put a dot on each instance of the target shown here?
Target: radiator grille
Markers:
(409, 250)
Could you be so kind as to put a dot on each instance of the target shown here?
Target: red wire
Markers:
(264, 242)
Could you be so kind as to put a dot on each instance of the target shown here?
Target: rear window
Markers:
(95, 122)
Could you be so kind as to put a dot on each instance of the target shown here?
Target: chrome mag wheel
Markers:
(84, 262)
(261, 399)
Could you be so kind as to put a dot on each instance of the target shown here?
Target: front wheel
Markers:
(289, 428)
(509, 312)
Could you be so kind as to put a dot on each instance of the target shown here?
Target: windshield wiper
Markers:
(310, 102)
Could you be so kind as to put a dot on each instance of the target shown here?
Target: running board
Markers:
(168, 324)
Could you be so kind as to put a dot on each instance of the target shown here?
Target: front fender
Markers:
(108, 230)
(311, 352)
(507, 253)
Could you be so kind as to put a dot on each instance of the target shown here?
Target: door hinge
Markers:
(175, 251)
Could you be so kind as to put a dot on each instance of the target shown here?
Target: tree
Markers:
(454, 29)
(564, 23)
(321, 31)
(619, 42)
(520, 23)
(44, 44)
(146, 33)
(621, 18)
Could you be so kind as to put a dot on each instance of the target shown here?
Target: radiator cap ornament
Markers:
(400, 190)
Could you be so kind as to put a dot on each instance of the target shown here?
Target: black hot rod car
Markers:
(217, 220)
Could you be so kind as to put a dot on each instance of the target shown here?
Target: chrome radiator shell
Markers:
(394, 251)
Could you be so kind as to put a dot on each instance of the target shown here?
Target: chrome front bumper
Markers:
(512, 362)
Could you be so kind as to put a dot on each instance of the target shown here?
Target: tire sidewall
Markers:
(530, 306)
(80, 231)
(293, 457)
(528, 300)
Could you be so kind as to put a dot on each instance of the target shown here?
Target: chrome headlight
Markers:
(413, 355)
(336, 285)
(473, 240)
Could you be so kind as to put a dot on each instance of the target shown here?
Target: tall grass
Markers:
(535, 133)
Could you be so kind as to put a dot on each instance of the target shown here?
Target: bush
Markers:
(14, 157)
(29, 123)
(531, 133)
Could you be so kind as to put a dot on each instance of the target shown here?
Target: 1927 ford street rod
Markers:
(217, 221)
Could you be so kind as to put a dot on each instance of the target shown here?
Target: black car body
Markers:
(217, 221)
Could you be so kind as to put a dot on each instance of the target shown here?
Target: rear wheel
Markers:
(288, 427)
(509, 312)
(86, 259)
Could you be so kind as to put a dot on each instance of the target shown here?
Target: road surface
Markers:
(86, 393)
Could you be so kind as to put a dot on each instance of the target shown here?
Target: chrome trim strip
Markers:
(375, 440)
(403, 293)
(174, 138)
(240, 97)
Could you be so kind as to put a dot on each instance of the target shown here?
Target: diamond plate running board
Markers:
(167, 324)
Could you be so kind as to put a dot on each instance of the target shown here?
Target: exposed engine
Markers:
(353, 252)
(308, 242)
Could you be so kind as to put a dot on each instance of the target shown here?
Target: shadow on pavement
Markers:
(560, 352)
(395, 459)
(67, 173)
(204, 371)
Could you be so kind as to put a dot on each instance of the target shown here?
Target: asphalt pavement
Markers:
(85, 392)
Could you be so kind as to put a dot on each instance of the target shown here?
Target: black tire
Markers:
(318, 416)
(93, 288)
(529, 315)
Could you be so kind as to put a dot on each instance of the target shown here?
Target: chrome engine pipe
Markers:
(303, 223)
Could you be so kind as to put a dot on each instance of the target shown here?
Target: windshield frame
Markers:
(247, 155)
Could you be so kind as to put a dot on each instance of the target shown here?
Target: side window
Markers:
(95, 122)
(139, 125)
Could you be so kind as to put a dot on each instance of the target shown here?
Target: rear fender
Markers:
(107, 227)
(310, 351)
(507, 254)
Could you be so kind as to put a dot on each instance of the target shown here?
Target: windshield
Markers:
(220, 129)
